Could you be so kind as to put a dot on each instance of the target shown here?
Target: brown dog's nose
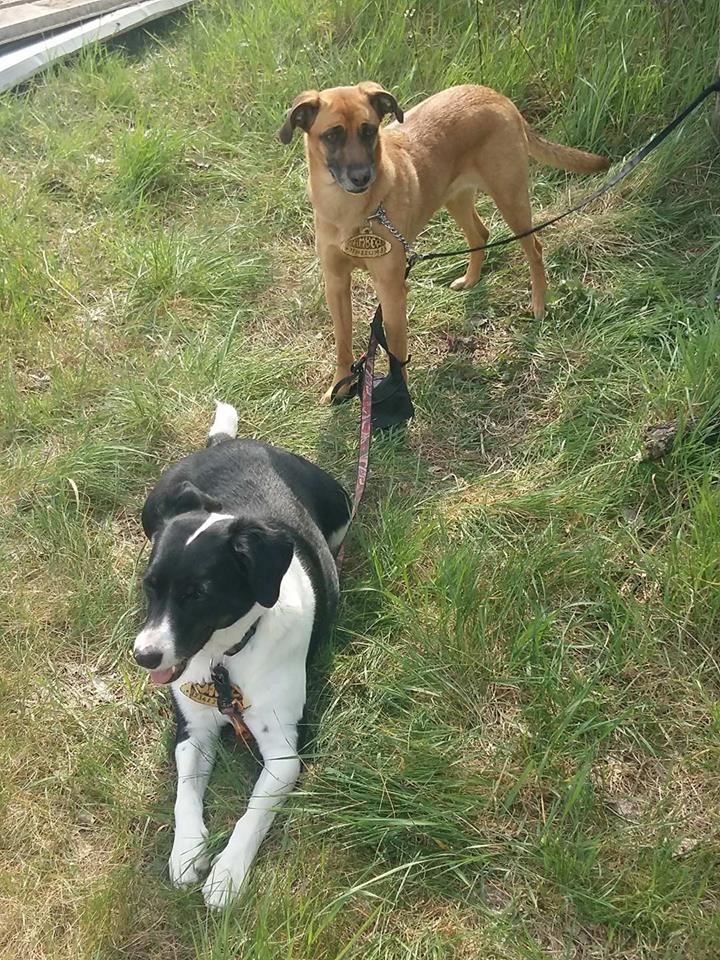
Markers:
(359, 175)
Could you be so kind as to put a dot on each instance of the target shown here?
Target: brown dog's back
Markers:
(453, 113)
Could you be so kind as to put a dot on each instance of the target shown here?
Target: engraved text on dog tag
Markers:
(366, 244)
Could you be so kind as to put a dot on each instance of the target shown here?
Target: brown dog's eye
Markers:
(333, 135)
(368, 131)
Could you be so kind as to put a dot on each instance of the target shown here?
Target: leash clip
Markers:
(226, 703)
(357, 365)
(221, 678)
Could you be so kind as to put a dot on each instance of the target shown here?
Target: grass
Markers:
(516, 750)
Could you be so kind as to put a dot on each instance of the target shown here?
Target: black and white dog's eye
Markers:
(194, 591)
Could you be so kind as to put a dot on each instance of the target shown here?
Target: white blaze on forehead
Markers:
(213, 518)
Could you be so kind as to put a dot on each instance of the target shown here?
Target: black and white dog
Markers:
(241, 573)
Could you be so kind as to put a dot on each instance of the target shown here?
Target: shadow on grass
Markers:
(138, 43)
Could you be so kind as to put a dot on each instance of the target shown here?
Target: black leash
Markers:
(413, 257)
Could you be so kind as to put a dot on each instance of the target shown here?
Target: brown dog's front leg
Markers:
(392, 293)
(337, 294)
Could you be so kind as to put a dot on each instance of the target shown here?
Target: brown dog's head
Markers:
(342, 128)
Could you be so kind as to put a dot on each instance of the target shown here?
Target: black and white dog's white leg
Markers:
(278, 745)
(194, 758)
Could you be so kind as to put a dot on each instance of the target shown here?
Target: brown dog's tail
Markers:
(566, 158)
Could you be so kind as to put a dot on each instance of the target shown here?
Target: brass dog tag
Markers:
(206, 694)
(366, 245)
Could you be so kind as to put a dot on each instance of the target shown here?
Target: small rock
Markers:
(102, 690)
(627, 808)
(658, 440)
(686, 846)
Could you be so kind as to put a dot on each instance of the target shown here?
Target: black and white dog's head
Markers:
(207, 570)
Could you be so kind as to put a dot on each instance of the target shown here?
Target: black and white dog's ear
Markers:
(265, 553)
(188, 497)
(160, 508)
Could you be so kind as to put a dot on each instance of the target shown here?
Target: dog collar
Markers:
(245, 640)
(368, 245)
(381, 216)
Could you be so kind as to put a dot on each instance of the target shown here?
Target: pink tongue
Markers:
(162, 676)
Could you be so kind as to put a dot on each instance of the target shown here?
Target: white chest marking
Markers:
(270, 671)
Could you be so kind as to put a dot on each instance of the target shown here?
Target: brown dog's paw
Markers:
(335, 394)
(462, 283)
(327, 398)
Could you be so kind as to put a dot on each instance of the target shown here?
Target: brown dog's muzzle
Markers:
(355, 177)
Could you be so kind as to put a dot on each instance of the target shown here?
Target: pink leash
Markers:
(363, 463)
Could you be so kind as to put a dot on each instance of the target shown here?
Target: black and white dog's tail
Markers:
(224, 426)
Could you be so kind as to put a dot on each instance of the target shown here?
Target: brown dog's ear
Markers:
(381, 101)
(301, 114)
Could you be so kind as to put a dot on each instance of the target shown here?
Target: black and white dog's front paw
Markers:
(188, 861)
(225, 880)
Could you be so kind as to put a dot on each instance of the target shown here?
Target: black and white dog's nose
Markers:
(148, 658)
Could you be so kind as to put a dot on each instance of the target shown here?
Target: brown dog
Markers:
(451, 146)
